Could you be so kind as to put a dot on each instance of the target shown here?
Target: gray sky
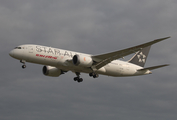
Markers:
(93, 27)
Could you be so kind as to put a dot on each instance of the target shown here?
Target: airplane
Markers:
(58, 61)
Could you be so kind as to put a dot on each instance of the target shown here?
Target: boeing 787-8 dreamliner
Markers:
(57, 61)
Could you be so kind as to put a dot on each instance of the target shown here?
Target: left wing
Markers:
(104, 59)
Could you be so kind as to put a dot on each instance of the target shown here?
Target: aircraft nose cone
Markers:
(11, 53)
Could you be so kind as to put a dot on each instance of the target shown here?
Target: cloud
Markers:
(91, 27)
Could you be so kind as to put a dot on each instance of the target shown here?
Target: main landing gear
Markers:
(23, 66)
(78, 79)
(94, 75)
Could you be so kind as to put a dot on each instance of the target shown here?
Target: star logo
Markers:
(142, 57)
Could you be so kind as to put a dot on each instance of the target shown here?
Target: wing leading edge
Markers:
(103, 59)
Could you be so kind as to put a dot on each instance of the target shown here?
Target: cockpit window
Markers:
(17, 48)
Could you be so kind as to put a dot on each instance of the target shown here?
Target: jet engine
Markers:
(51, 71)
(84, 61)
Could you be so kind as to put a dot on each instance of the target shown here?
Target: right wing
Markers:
(104, 59)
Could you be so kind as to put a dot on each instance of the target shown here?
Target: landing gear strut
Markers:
(78, 79)
(23, 66)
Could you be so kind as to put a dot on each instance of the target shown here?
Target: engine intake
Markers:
(84, 61)
(51, 71)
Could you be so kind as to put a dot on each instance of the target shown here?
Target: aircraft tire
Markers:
(23, 66)
(76, 79)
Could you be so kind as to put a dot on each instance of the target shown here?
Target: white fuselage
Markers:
(62, 59)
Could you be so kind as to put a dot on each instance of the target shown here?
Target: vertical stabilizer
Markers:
(140, 57)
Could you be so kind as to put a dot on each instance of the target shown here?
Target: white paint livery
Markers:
(57, 61)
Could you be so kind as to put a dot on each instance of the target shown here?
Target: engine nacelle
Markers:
(84, 61)
(51, 71)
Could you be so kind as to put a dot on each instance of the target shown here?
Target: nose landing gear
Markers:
(23, 66)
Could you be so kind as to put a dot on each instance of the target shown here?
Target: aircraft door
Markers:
(120, 69)
(29, 53)
(30, 49)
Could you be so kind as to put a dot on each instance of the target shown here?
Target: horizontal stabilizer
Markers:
(154, 67)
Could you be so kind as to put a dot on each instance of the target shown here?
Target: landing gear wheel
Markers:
(23, 66)
(90, 74)
(94, 75)
(78, 79)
